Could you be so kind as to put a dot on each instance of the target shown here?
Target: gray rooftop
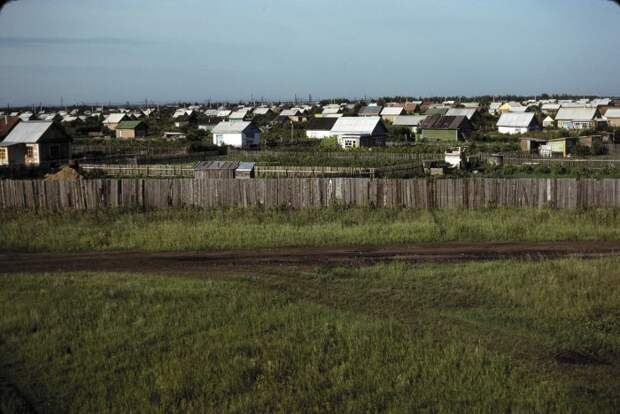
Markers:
(216, 165)
(28, 132)
(516, 119)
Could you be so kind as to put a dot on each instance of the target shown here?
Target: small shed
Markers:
(531, 145)
(564, 146)
(245, 170)
(215, 169)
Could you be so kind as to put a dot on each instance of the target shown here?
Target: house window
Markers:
(30, 152)
(2, 153)
(349, 143)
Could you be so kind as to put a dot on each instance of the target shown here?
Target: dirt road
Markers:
(301, 257)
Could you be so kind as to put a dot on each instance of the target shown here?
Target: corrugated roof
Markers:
(576, 114)
(437, 110)
(290, 112)
(181, 112)
(240, 114)
(443, 122)
(466, 112)
(409, 120)
(129, 124)
(261, 111)
(216, 165)
(392, 111)
(321, 124)
(246, 166)
(516, 119)
(231, 127)
(356, 125)
(114, 118)
(28, 132)
(331, 109)
(370, 110)
(612, 113)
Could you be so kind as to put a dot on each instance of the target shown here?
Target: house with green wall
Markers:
(446, 128)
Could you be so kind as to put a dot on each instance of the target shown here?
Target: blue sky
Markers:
(164, 50)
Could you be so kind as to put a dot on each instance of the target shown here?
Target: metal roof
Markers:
(114, 118)
(321, 124)
(216, 165)
(181, 112)
(467, 112)
(576, 114)
(437, 110)
(231, 127)
(240, 114)
(516, 119)
(356, 125)
(246, 166)
(290, 112)
(550, 107)
(392, 111)
(331, 109)
(409, 120)
(129, 124)
(261, 111)
(612, 113)
(443, 122)
(370, 110)
(28, 132)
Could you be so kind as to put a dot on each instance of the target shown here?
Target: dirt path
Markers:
(302, 257)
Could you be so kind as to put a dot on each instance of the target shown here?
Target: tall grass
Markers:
(264, 228)
(125, 343)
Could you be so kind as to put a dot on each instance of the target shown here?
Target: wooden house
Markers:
(446, 128)
(131, 129)
(40, 142)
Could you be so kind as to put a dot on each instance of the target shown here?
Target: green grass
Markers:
(486, 337)
(254, 228)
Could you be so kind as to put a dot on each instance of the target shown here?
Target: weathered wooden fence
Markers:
(267, 171)
(132, 170)
(310, 192)
(564, 162)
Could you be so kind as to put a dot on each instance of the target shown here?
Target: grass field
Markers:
(238, 228)
(482, 337)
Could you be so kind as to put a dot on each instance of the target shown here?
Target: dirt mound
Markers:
(65, 174)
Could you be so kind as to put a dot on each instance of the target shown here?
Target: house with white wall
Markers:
(238, 134)
(319, 128)
(355, 132)
(578, 118)
(35, 143)
(517, 123)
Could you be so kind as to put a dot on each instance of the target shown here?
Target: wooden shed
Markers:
(216, 169)
(245, 170)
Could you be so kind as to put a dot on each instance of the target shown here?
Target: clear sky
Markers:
(164, 50)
